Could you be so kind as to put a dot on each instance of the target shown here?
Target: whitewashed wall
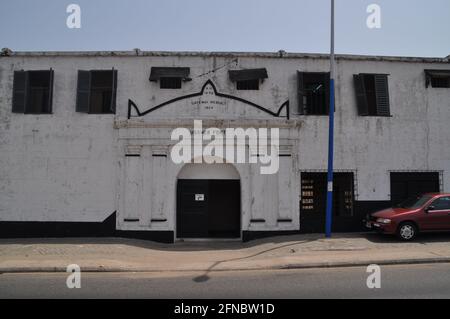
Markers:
(72, 167)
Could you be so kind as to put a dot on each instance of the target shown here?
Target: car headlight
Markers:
(383, 221)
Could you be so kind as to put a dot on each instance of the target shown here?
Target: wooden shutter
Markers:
(83, 91)
(326, 81)
(20, 90)
(50, 92)
(361, 97)
(113, 91)
(301, 94)
(382, 95)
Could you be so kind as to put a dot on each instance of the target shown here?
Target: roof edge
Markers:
(231, 54)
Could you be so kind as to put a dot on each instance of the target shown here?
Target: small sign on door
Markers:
(199, 197)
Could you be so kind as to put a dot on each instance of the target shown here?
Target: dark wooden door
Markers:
(208, 209)
(192, 209)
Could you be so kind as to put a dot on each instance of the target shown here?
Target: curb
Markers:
(412, 261)
(337, 264)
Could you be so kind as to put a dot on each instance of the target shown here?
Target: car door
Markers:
(438, 214)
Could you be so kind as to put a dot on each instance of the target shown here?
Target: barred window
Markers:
(170, 83)
(248, 85)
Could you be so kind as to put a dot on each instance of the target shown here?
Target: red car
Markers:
(426, 213)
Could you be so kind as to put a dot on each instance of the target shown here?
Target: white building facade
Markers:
(85, 141)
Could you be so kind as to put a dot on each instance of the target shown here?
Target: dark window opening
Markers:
(170, 77)
(248, 79)
(405, 185)
(440, 82)
(248, 84)
(32, 92)
(313, 93)
(369, 84)
(437, 78)
(170, 83)
(39, 90)
(101, 92)
(96, 92)
(372, 94)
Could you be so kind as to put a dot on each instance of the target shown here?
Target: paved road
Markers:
(406, 281)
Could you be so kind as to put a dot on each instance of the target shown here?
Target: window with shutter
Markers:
(38, 95)
(83, 91)
(97, 91)
(437, 78)
(301, 94)
(382, 95)
(372, 94)
(50, 90)
(313, 93)
(326, 81)
(248, 79)
(32, 92)
(20, 88)
(167, 73)
(361, 99)
(114, 92)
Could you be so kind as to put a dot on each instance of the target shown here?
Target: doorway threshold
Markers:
(208, 240)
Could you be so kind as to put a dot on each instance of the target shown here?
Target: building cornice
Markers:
(279, 54)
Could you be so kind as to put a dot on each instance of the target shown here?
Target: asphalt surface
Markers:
(402, 281)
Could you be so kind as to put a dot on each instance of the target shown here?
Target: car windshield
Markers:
(414, 202)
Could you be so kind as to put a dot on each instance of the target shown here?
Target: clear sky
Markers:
(408, 27)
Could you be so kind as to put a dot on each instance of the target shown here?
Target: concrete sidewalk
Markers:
(299, 251)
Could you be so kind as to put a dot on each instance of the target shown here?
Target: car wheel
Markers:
(407, 231)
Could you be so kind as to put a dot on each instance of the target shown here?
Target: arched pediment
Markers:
(208, 103)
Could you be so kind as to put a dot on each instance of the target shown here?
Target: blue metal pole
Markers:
(329, 211)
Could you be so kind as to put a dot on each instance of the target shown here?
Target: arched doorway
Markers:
(208, 201)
